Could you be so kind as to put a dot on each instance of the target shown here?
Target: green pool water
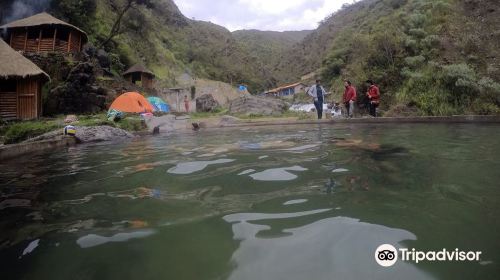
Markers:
(281, 202)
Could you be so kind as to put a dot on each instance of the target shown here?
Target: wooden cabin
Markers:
(44, 33)
(140, 75)
(287, 90)
(20, 85)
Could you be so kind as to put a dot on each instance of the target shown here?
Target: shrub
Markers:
(396, 4)
(460, 80)
(417, 32)
(431, 41)
(333, 67)
(416, 20)
(414, 61)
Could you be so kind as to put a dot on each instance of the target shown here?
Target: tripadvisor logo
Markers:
(387, 255)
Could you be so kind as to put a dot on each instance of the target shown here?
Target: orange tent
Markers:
(132, 102)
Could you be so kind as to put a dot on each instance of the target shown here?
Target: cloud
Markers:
(267, 7)
(277, 15)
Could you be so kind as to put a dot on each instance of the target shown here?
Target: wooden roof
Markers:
(13, 64)
(138, 68)
(274, 90)
(38, 20)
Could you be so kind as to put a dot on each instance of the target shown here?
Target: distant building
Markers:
(20, 85)
(44, 33)
(140, 75)
(287, 90)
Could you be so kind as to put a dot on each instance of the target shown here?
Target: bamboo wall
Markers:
(19, 41)
(8, 105)
(23, 104)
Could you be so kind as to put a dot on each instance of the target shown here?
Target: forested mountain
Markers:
(436, 56)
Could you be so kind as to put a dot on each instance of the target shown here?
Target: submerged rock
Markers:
(166, 123)
(228, 120)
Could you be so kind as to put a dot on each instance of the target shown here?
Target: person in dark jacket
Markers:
(317, 92)
(349, 98)
(373, 94)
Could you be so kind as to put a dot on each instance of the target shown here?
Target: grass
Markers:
(205, 115)
(17, 132)
(21, 131)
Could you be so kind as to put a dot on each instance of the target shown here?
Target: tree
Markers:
(122, 10)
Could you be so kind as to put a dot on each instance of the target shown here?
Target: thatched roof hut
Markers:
(20, 85)
(139, 73)
(44, 33)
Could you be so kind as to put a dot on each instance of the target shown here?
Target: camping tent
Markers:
(159, 104)
(131, 102)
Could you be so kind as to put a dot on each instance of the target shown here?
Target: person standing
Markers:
(349, 98)
(186, 103)
(373, 97)
(317, 92)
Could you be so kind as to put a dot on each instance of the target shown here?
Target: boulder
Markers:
(252, 105)
(101, 133)
(103, 59)
(206, 103)
(78, 93)
(88, 134)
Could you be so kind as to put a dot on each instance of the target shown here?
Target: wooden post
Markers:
(39, 39)
(11, 38)
(54, 41)
(69, 41)
(25, 38)
(17, 90)
(178, 106)
(35, 89)
(80, 43)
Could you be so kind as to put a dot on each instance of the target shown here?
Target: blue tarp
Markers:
(159, 104)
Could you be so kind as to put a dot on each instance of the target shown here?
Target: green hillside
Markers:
(440, 57)
(155, 33)
(431, 57)
(269, 47)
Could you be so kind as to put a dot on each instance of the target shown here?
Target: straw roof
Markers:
(13, 64)
(138, 68)
(37, 20)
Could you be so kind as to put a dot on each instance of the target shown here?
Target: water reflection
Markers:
(194, 166)
(331, 248)
(278, 174)
(91, 240)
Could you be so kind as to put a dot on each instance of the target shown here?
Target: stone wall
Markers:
(252, 105)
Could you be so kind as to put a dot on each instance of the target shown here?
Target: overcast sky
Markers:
(277, 15)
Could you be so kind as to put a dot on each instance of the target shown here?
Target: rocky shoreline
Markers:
(87, 134)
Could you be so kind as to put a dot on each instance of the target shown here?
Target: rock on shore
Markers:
(87, 134)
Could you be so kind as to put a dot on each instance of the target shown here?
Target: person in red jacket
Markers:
(373, 97)
(349, 98)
